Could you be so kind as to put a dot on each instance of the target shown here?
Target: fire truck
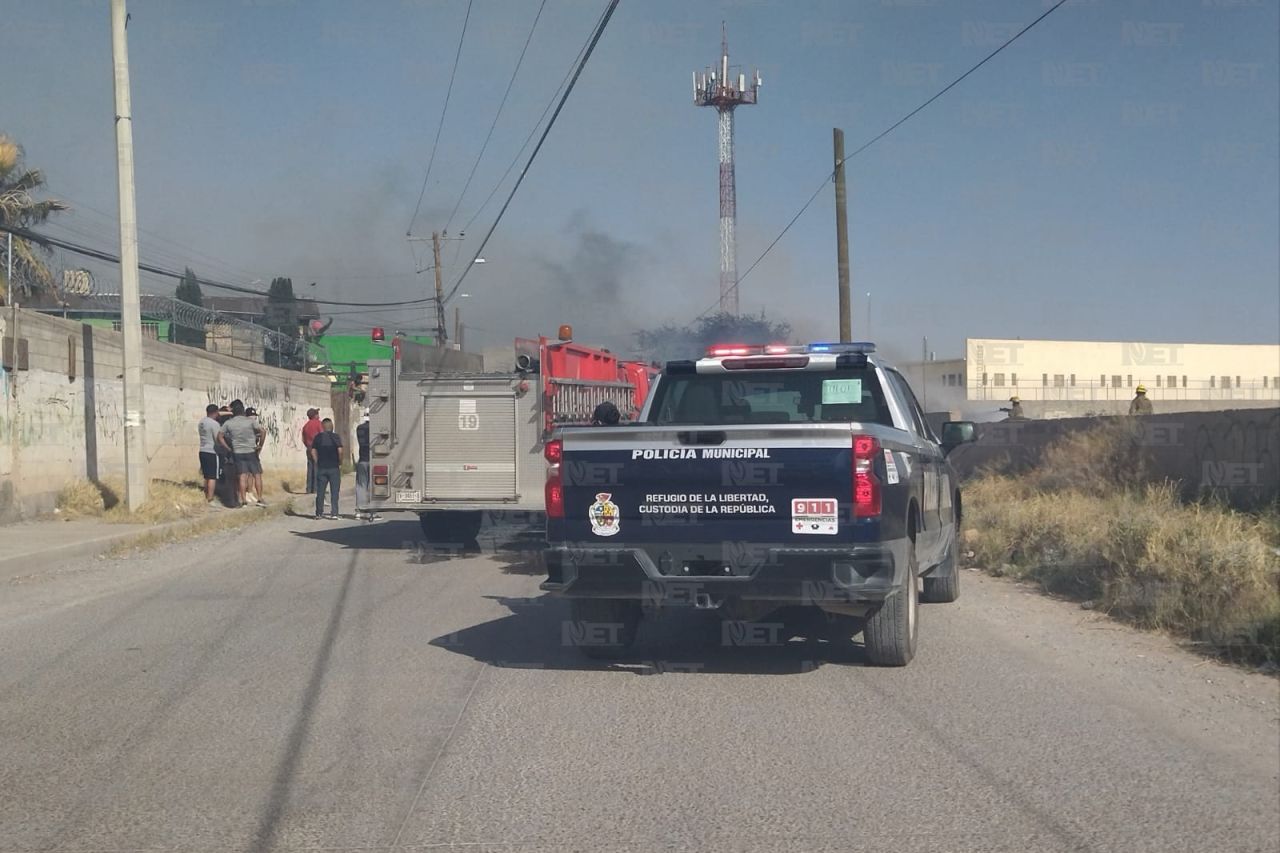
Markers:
(450, 440)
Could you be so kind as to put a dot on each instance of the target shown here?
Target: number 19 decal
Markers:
(469, 422)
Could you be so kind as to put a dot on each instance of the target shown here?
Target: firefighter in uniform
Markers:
(1140, 405)
(606, 414)
(1015, 408)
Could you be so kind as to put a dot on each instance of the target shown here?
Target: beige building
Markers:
(1067, 378)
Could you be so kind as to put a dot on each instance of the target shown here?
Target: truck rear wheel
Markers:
(890, 632)
(943, 586)
(604, 628)
(446, 526)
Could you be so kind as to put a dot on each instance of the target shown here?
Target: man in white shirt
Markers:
(209, 428)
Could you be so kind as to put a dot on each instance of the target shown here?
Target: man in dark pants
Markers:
(309, 432)
(362, 470)
(326, 452)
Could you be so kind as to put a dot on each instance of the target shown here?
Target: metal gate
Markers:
(469, 447)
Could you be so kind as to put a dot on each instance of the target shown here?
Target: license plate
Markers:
(405, 496)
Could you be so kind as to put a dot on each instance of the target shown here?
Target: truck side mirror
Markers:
(956, 433)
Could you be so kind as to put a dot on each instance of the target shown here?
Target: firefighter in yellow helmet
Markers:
(1015, 408)
(1140, 405)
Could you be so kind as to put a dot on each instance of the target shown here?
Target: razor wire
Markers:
(217, 326)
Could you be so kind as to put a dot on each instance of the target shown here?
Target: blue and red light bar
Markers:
(740, 350)
(842, 347)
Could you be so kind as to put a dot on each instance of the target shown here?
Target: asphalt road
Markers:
(328, 685)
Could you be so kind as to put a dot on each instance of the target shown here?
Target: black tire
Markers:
(443, 527)
(615, 622)
(890, 633)
(943, 585)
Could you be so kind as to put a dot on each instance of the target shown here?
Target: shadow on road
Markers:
(539, 634)
(514, 547)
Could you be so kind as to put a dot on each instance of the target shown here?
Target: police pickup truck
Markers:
(759, 477)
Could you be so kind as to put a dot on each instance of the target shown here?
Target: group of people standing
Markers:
(231, 440)
(324, 463)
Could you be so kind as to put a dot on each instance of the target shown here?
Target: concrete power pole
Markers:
(440, 323)
(842, 238)
(135, 452)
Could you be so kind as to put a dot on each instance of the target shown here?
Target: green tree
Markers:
(670, 342)
(189, 292)
(19, 208)
(281, 315)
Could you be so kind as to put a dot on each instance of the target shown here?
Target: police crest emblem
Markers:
(603, 515)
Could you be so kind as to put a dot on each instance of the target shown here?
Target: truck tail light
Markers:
(866, 485)
(381, 482)
(553, 492)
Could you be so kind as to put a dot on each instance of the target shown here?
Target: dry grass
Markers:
(215, 523)
(166, 501)
(1080, 525)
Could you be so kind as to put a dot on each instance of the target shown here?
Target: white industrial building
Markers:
(1068, 378)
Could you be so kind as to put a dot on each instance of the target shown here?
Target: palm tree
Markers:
(18, 208)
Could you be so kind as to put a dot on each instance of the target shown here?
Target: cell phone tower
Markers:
(717, 86)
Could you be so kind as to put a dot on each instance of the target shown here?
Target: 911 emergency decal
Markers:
(890, 467)
(603, 515)
(815, 516)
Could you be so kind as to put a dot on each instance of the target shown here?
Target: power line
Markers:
(591, 46)
(496, 116)
(876, 139)
(532, 132)
(99, 254)
(189, 252)
(443, 112)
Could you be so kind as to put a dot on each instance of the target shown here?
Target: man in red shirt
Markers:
(310, 430)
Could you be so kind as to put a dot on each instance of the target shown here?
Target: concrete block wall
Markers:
(1233, 456)
(63, 418)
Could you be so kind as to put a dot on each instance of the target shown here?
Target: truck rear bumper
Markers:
(800, 575)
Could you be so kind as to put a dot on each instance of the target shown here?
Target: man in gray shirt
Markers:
(209, 429)
(240, 435)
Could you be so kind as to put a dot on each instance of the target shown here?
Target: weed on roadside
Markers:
(1081, 525)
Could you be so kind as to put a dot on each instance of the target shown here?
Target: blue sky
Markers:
(1112, 175)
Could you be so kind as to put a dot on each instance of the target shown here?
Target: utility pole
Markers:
(135, 454)
(440, 325)
(457, 325)
(842, 238)
(924, 373)
(8, 279)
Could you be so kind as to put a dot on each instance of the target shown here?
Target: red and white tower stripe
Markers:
(717, 87)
